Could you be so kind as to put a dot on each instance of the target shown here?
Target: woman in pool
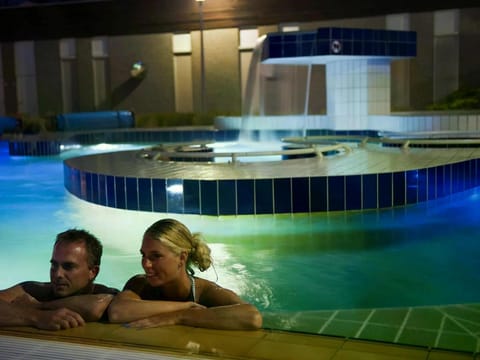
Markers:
(169, 294)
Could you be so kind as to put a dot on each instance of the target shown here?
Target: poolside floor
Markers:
(109, 341)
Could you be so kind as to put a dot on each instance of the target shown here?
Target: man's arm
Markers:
(90, 307)
(18, 308)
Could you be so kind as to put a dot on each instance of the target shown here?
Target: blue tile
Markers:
(432, 184)
(318, 193)
(131, 193)
(458, 177)
(448, 179)
(245, 197)
(282, 195)
(369, 185)
(83, 185)
(145, 201)
(264, 196)
(300, 191)
(290, 50)
(384, 190)
(336, 33)
(412, 186)
(347, 34)
(175, 196)
(367, 35)
(336, 193)
(191, 196)
(323, 33)
(357, 48)
(422, 185)
(102, 193)
(353, 190)
(88, 186)
(323, 47)
(159, 195)
(227, 204)
(399, 188)
(120, 196)
(440, 170)
(470, 173)
(111, 191)
(209, 196)
(95, 190)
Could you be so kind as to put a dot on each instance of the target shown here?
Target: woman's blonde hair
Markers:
(176, 236)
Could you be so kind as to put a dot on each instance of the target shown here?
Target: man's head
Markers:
(75, 262)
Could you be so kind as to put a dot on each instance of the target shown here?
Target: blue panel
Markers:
(226, 197)
(290, 50)
(102, 193)
(323, 34)
(370, 185)
(88, 186)
(191, 196)
(95, 188)
(448, 179)
(300, 195)
(263, 196)
(83, 185)
(336, 193)
(432, 184)
(175, 196)
(353, 190)
(384, 190)
(347, 34)
(458, 176)
(399, 188)
(111, 191)
(208, 191)
(159, 195)
(336, 33)
(422, 185)
(357, 34)
(131, 193)
(245, 197)
(440, 181)
(323, 47)
(477, 172)
(282, 195)
(469, 174)
(347, 48)
(120, 195)
(412, 186)
(318, 193)
(145, 202)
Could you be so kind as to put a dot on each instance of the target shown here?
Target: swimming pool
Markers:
(425, 254)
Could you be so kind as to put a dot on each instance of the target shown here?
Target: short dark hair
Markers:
(92, 244)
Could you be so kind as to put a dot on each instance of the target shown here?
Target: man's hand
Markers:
(57, 319)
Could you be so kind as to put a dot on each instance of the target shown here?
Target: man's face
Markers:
(69, 271)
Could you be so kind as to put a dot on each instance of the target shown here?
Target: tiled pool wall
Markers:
(250, 196)
(273, 196)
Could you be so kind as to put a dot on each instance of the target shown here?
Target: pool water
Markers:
(425, 254)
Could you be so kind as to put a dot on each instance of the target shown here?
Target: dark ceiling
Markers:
(32, 20)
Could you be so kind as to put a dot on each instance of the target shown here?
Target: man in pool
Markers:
(71, 298)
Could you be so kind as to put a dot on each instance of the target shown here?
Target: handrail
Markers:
(165, 155)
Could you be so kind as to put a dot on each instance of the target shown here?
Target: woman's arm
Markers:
(225, 310)
(228, 317)
(127, 306)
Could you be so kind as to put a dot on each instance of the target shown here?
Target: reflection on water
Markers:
(420, 255)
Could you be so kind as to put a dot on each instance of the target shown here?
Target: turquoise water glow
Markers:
(421, 255)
